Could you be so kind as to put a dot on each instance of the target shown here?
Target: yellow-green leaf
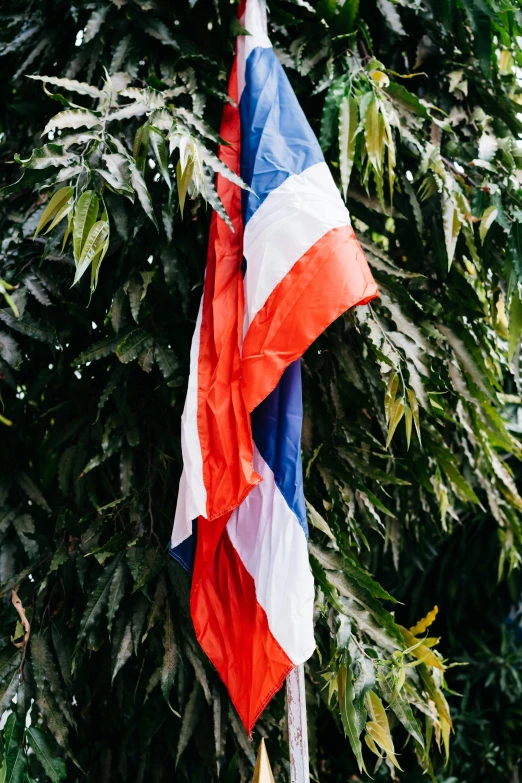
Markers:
(420, 651)
(348, 128)
(452, 224)
(59, 199)
(396, 414)
(380, 78)
(379, 738)
(373, 126)
(373, 747)
(391, 393)
(183, 177)
(318, 521)
(488, 218)
(67, 230)
(379, 728)
(84, 218)
(62, 212)
(408, 419)
(425, 623)
(445, 730)
(414, 405)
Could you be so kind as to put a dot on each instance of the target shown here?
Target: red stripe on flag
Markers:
(232, 627)
(332, 276)
(223, 421)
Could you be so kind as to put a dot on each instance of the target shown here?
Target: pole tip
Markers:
(263, 771)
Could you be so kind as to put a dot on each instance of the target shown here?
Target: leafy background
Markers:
(410, 443)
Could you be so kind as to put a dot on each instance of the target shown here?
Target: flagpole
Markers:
(297, 726)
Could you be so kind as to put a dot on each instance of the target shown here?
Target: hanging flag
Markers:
(291, 266)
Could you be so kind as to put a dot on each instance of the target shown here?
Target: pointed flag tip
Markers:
(263, 771)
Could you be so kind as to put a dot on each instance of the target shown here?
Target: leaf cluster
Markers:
(417, 109)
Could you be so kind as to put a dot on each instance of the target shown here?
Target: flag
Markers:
(289, 268)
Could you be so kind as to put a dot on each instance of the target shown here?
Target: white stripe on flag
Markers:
(253, 20)
(272, 546)
(192, 495)
(291, 219)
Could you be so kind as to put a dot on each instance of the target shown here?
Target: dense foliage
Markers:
(410, 443)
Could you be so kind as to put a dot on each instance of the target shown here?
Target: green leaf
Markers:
(191, 715)
(329, 119)
(47, 156)
(126, 471)
(488, 218)
(9, 660)
(406, 100)
(138, 183)
(32, 491)
(95, 23)
(94, 244)
(217, 165)
(121, 649)
(70, 84)
(44, 670)
(141, 146)
(118, 168)
(15, 758)
(30, 326)
(170, 656)
(334, 562)
(516, 247)
(402, 710)
(134, 343)
(116, 593)
(348, 128)
(515, 323)
(73, 118)
(8, 690)
(447, 461)
(134, 290)
(42, 745)
(99, 350)
(389, 11)
(321, 580)
(166, 359)
(157, 142)
(348, 712)
(144, 564)
(97, 600)
(9, 350)
(29, 178)
(345, 20)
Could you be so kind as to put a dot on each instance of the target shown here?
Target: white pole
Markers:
(297, 727)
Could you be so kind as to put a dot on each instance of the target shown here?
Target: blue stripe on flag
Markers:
(276, 139)
(276, 429)
(185, 552)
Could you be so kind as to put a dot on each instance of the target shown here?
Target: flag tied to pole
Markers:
(291, 266)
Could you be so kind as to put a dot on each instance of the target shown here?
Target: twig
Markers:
(15, 600)
(462, 174)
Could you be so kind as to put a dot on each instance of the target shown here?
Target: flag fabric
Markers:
(291, 266)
